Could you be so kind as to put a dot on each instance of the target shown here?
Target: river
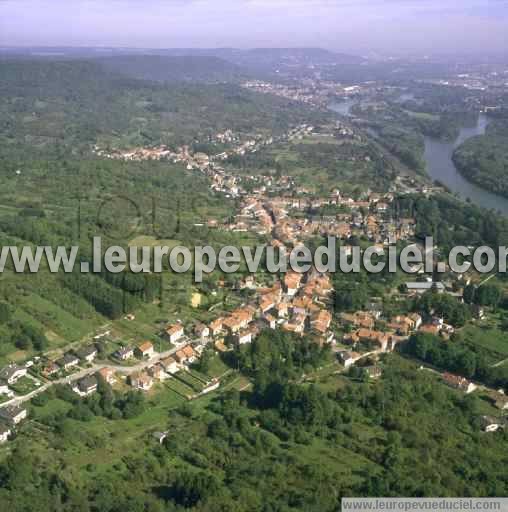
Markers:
(440, 166)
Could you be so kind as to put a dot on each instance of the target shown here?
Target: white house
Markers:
(5, 432)
(174, 332)
(12, 373)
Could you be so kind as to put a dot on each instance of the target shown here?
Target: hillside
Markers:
(161, 68)
(79, 103)
(484, 159)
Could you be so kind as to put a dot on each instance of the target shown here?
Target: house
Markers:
(348, 358)
(374, 372)
(321, 322)
(170, 365)
(359, 319)
(87, 385)
(12, 373)
(221, 346)
(156, 371)
(266, 303)
(457, 382)
(498, 399)
(490, 424)
(5, 432)
(68, 361)
(292, 282)
(190, 354)
(108, 374)
(141, 381)
(88, 353)
(478, 312)
(376, 337)
(270, 321)
(202, 331)
(216, 326)
(180, 356)
(245, 315)
(244, 337)
(282, 309)
(174, 332)
(160, 436)
(50, 369)
(124, 353)
(419, 288)
(13, 414)
(416, 319)
(145, 349)
(233, 324)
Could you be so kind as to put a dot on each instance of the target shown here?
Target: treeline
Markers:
(105, 402)
(484, 159)
(452, 222)
(302, 448)
(456, 358)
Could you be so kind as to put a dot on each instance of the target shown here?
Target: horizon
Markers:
(384, 27)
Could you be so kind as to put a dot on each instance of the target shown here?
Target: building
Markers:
(141, 381)
(202, 331)
(12, 373)
(170, 365)
(108, 374)
(292, 283)
(5, 432)
(88, 353)
(490, 424)
(68, 361)
(13, 414)
(124, 353)
(348, 358)
(87, 385)
(50, 369)
(145, 349)
(244, 337)
(460, 383)
(270, 321)
(160, 436)
(174, 332)
(419, 288)
(190, 354)
(216, 326)
(374, 372)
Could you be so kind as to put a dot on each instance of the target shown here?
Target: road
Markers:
(127, 370)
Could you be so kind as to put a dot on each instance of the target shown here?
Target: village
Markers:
(279, 209)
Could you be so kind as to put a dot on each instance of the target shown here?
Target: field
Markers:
(492, 341)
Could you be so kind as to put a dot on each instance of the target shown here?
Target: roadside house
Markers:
(174, 332)
(88, 353)
(124, 353)
(68, 361)
(13, 414)
(87, 385)
(11, 373)
(145, 349)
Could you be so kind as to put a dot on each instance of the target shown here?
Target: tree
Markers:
(5, 313)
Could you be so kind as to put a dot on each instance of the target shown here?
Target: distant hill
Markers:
(199, 64)
(162, 68)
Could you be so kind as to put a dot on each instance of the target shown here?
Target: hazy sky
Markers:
(357, 26)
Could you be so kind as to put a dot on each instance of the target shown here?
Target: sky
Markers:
(353, 26)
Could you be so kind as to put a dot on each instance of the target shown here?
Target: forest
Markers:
(404, 435)
(484, 159)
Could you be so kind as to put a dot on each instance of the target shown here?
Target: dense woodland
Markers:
(406, 435)
(484, 159)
